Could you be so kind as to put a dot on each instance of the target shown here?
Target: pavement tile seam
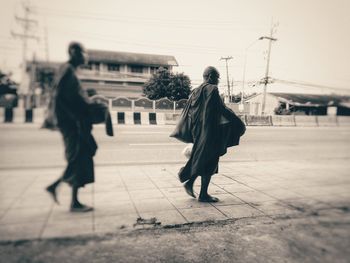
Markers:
(212, 204)
(235, 211)
(18, 196)
(106, 215)
(46, 221)
(218, 210)
(202, 214)
(129, 194)
(236, 181)
(165, 196)
(264, 193)
(219, 204)
(244, 202)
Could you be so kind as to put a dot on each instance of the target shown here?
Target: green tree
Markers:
(8, 91)
(7, 86)
(167, 84)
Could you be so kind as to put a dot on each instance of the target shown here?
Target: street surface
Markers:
(284, 197)
(28, 146)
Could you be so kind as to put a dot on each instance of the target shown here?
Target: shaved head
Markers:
(77, 54)
(75, 46)
(211, 75)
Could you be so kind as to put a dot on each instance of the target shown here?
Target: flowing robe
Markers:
(211, 127)
(71, 109)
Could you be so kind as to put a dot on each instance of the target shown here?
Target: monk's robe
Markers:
(211, 127)
(71, 110)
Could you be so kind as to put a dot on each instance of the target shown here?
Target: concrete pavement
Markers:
(122, 194)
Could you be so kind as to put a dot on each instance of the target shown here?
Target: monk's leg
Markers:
(189, 186)
(51, 189)
(204, 196)
(76, 206)
(75, 202)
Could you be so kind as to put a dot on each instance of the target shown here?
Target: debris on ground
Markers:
(144, 221)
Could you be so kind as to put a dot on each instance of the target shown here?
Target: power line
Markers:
(189, 48)
(147, 20)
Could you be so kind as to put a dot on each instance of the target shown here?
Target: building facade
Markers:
(115, 74)
(108, 73)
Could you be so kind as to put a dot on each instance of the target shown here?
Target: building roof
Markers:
(345, 104)
(299, 99)
(312, 99)
(44, 64)
(131, 58)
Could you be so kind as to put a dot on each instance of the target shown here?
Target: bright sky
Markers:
(313, 35)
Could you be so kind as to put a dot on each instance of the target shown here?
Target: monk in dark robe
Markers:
(70, 106)
(212, 128)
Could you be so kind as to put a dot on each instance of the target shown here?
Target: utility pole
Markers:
(232, 82)
(241, 105)
(266, 80)
(26, 24)
(228, 80)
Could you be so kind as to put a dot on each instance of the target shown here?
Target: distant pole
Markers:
(232, 82)
(266, 80)
(26, 24)
(228, 80)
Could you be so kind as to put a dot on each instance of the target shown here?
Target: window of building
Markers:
(113, 67)
(95, 66)
(92, 66)
(154, 69)
(136, 69)
(86, 66)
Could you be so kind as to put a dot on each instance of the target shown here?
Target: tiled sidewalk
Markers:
(122, 194)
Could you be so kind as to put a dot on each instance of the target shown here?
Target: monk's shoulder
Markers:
(64, 75)
(66, 69)
(210, 89)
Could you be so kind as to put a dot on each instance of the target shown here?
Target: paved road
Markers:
(28, 146)
(283, 190)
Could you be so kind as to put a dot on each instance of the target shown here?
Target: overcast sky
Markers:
(313, 35)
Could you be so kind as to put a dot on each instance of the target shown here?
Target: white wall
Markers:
(256, 104)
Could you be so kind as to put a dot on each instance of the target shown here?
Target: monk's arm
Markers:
(74, 95)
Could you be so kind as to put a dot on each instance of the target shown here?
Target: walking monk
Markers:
(212, 128)
(70, 110)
